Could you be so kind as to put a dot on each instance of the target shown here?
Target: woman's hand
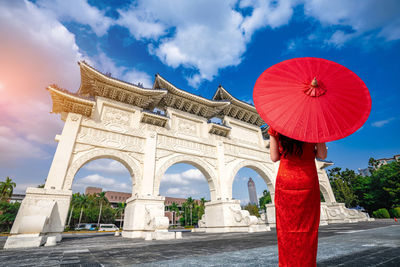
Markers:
(322, 152)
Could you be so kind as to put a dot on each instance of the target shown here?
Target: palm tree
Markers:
(120, 209)
(6, 188)
(190, 203)
(201, 208)
(175, 211)
(101, 198)
(82, 202)
(74, 202)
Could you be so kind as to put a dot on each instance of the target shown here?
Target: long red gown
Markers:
(297, 203)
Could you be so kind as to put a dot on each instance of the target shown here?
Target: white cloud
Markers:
(136, 76)
(42, 51)
(15, 148)
(174, 178)
(182, 192)
(364, 17)
(204, 36)
(106, 165)
(339, 38)
(141, 22)
(381, 123)
(266, 13)
(105, 64)
(107, 184)
(184, 178)
(20, 188)
(193, 174)
(79, 11)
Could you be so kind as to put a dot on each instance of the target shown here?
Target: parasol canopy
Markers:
(312, 99)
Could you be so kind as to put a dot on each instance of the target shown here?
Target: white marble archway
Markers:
(197, 162)
(108, 118)
(263, 169)
(85, 157)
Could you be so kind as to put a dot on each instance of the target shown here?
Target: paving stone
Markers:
(356, 244)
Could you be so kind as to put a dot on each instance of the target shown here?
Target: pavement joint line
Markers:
(386, 261)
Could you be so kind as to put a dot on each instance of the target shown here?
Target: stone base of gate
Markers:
(270, 215)
(338, 213)
(223, 216)
(145, 218)
(330, 213)
(42, 214)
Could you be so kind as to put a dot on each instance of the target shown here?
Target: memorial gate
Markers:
(149, 130)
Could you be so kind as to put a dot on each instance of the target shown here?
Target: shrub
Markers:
(8, 212)
(381, 213)
(395, 212)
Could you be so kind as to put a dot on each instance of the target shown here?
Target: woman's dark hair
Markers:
(291, 146)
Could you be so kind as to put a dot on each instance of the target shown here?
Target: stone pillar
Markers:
(147, 183)
(60, 164)
(227, 216)
(270, 215)
(222, 184)
(144, 218)
(42, 214)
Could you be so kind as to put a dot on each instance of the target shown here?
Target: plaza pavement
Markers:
(353, 244)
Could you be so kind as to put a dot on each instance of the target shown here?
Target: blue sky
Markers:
(196, 46)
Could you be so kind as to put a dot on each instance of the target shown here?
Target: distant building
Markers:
(16, 198)
(252, 192)
(364, 172)
(112, 196)
(385, 161)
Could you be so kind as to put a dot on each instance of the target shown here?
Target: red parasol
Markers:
(312, 99)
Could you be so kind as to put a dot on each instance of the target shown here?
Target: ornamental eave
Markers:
(64, 101)
(238, 109)
(161, 82)
(95, 83)
(188, 102)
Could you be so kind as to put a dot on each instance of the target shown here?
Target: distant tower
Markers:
(252, 192)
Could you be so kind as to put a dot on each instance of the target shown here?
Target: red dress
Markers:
(297, 203)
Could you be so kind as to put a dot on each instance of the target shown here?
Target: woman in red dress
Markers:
(297, 199)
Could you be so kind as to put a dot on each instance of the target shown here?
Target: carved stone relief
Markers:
(183, 145)
(238, 151)
(116, 116)
(188, 127)
(103, 138)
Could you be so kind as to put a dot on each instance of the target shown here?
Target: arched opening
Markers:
(324, 194)
(186, 185)
(252, 191)
(261, 183)
(101, 184)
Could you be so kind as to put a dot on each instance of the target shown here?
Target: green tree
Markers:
(8, 212)
(381, 189)
(253, 209)
(190, 205)
(82, 202)
(373, 165)
(101, 199)
(265, 199)
(175, 211)
(201, 209)
(74, 202)
(120, 210)
(6, 188)
(342, 185)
